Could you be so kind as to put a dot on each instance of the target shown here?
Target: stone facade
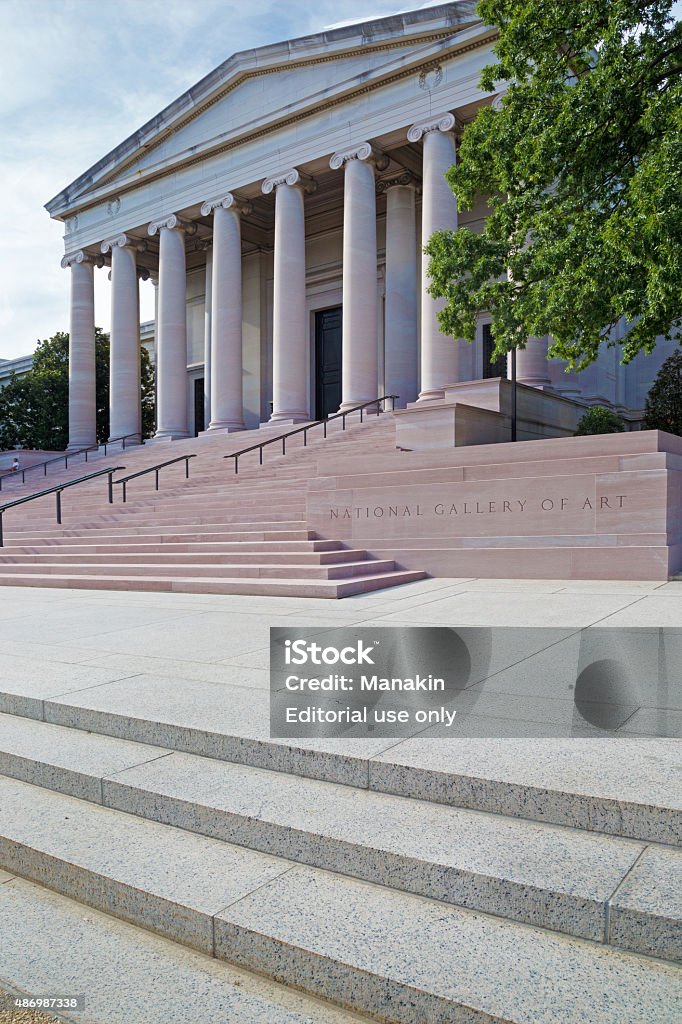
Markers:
(280, 207)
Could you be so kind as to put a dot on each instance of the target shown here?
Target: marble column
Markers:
(82, 401)
(171, 338)
(532, 367)
(401, 341)
(227, 411)
(124, 352)
(359, 377)
(289, 350)
(439, 353)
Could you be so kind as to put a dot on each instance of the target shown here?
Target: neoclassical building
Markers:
(280, 207)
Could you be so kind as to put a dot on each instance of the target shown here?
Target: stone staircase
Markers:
(411, 883)
(215, 533)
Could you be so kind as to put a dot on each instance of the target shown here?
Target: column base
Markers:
(222, 428)
(130, 441)
(369, 409)
(287, 419)
(74, 446)
(431, 395)
(170, 435)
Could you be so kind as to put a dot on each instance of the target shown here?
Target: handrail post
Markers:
(343, 421)
(284, 445)
(260, 455)
(156, 474)
(2, 539)
(123, 485)
(187, 467)
(111, 488)
(236, 464)
(305, 438)
(392, 403)
(58, 496)
(123, 445)
(361, 412)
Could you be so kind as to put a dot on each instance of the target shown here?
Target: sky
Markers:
(76, 78)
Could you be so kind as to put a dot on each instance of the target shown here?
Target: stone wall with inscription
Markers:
(604, 507)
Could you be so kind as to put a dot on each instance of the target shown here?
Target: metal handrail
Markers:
(14, 473)
(57, 490)
(155, 469)
(309, 426)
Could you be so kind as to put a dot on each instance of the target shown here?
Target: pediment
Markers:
(256, 91)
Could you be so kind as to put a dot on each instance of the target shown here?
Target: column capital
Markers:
(441, 123)
(364, 151)
(292, 177)
(406, 178)
(123, 241)
(227, 202)
(81, 256)
(172, 221)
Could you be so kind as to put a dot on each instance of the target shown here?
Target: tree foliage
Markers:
(664, 402)
(582, 168)
(34, 409)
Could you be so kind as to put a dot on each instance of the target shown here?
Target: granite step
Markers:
(51, 944)
(364, 947)
(270, 587)
(632, 791)
(596, 887)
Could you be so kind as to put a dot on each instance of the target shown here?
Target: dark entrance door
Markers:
(327, 362)
(199, 424)
(499, 367)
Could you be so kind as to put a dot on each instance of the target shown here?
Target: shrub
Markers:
(599, 420)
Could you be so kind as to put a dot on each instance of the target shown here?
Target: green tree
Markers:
(599, 420)
(582, 168)
(34, 409)
(663, 409)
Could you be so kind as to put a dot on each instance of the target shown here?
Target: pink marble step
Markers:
(163, 556)
(97, 537)
(135, 549)
(266, 587)
(286, 571)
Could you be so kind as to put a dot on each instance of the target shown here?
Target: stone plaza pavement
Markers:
(546, 872)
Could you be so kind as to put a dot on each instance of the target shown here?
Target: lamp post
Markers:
(513, 395)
